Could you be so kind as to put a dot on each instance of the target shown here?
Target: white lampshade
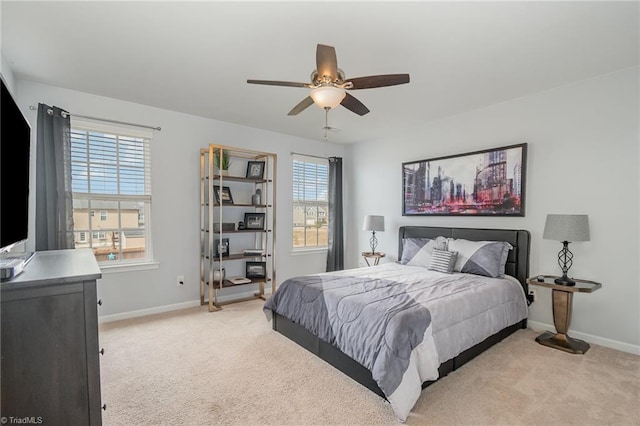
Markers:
(566, 227)
(328, 96)
(373, 223)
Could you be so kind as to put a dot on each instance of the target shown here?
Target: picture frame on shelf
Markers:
(222, 247)
(256, 269)
(223, 196)
(255, 170)
(254, 221)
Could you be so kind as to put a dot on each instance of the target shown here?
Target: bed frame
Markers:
(517, 266)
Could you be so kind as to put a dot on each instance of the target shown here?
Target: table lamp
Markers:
(373, 223)
(566, 228)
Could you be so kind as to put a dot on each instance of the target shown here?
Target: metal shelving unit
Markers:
(214, 213)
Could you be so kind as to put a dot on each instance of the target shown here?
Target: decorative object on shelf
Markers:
(222, 162)
(255, 170)
(566, 228)
(223, 196)
(226, 227)
(218, 274)
(481, 183)
(373, 223)
(254, 221)
(256, 199)
(256, 269)
(238, 280)
(241, 226)
(253, 252)
(222, 247)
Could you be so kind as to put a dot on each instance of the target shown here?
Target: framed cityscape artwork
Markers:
(481, 183)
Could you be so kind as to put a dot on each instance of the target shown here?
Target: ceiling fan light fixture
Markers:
(328, 96)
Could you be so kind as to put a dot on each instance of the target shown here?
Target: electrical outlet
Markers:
(533, 294)
(180, 280)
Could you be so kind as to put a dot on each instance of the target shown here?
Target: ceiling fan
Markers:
(329, 85)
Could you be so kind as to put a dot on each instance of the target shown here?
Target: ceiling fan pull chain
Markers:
(326, 124)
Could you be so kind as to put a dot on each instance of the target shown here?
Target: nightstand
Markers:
(562, 306)
(375, 256)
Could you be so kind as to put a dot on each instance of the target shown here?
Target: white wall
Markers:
(175, 208)
(7, 73)
(583, 158)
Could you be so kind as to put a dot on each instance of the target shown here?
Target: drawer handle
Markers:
(102, 351)
(100, 302)
(104, 407)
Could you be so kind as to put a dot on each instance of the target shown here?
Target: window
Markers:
(98, 235)
(111, 184)
(310, 202)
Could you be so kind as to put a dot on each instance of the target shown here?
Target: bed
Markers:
(396, 328)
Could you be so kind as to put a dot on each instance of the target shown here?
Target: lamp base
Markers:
(564, 280)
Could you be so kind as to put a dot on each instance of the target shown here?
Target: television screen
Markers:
(15, 141)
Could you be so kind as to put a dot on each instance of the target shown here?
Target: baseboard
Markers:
(167, 308)
(590, 338)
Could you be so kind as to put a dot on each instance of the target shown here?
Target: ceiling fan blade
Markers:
(306, 103)
(326, 62)
(373, 81)
(352, 104)
(278, 83)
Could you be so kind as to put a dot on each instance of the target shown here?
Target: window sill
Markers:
(128, 267)
(302, 252)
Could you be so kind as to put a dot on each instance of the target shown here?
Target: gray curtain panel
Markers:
(335, 255)
(54, 205)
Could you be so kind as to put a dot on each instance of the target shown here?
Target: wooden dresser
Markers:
(50, 360)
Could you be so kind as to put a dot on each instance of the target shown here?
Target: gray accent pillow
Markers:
(417, 251)
(443, 261)
(487, 258)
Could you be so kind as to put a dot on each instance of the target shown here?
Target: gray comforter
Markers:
(373, 320)
(399, 321)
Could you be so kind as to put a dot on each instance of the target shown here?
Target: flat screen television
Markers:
(15, 146)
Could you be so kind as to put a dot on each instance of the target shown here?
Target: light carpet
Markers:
(192, 367)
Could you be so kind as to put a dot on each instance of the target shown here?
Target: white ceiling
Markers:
(196, 57)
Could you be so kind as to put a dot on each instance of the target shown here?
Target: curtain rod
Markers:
(308, 155)
(158, 128)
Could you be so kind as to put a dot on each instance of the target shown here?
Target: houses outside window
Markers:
(111, 184)
(310, 202)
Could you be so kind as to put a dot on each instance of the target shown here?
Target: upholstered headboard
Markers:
(518, 261)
